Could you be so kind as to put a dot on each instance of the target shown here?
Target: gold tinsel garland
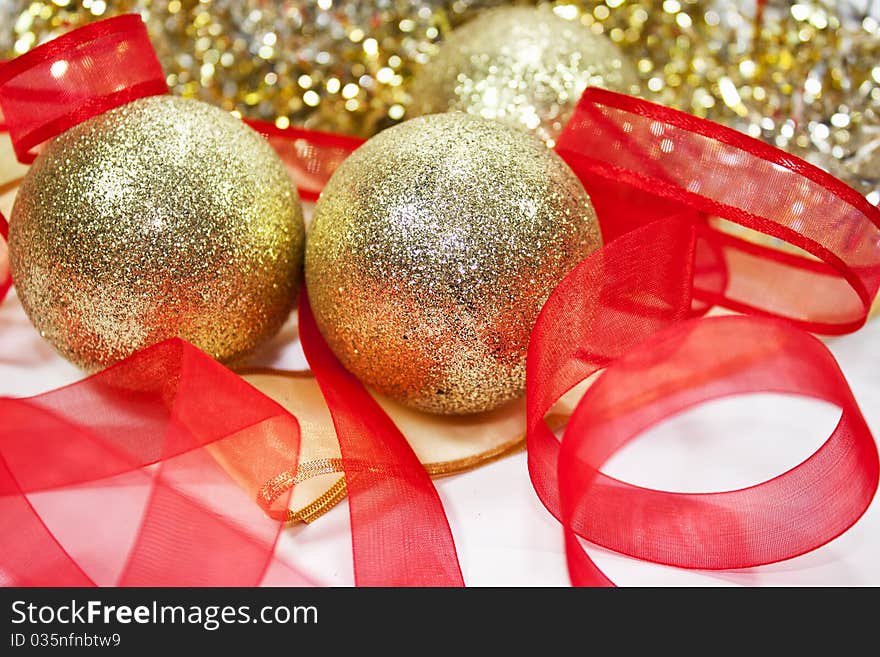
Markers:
(803, 75)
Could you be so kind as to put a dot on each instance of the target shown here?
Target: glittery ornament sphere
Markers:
(164, 217)
(526, 67)
(431, 252)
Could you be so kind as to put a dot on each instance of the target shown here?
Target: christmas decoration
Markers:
(524, 67)
(445, 445)
(626, 321)
(802, 76)
(336, 65)
(431, 252)
(164, 217)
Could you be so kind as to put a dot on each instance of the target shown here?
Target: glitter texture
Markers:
(338, 65)
(431, 251)
(164, 217)
(526, 67)
(800, 74)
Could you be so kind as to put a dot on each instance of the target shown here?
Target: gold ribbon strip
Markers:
(445, 445)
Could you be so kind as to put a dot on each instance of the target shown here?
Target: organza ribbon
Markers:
(77, 76)
(311, 156)
(130, 459)
(386, 482)
(659, 180)
(657, 177)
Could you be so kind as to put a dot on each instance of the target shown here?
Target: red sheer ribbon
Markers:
(656, 177)
(116, 480)
(676, 369)
(77, 76)
(154, 439)
(311, 156)
(400, 534)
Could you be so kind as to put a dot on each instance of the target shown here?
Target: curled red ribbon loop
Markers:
(655, 175)
(681, 367)
(640, 162)
(77, 76)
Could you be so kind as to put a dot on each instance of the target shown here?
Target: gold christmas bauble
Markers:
(526, 67)
(164, 217)
(431, 251)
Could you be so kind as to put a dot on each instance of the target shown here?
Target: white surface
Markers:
(503, 534)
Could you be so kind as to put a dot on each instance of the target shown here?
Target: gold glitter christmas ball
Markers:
(164, 217)
(431, 252)
(526, 67)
